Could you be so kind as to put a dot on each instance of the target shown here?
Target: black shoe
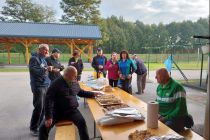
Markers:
(137, 93)
(34, 132)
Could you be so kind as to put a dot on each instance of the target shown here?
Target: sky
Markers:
(147, 11)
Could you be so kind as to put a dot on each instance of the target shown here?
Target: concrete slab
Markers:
(16, 105)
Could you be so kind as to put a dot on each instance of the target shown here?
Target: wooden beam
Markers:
(8, 53)
(81, 51)
(90, 52)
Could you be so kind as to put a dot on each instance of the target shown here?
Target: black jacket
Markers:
(51, 61)
(95, 63)
(61, 98)
(78, 65)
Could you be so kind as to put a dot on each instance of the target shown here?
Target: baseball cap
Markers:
(55, 50)
(99, 49)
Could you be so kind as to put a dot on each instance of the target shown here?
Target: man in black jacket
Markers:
(52, 60)
(99, 62)
(76, 61)
(39, 81)
(61, 104)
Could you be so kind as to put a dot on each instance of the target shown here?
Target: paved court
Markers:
(16, 105)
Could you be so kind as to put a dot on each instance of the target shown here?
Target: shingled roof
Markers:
(49, 30)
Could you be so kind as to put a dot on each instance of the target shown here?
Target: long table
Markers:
(122, 131)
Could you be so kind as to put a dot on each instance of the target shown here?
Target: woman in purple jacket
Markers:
(112, 68)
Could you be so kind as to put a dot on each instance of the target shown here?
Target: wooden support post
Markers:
(90, 52)
(27, 56)
(8, 52)
(207, 123)
(26, 44)
(72, 47)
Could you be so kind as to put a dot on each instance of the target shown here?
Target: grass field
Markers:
(184, 61)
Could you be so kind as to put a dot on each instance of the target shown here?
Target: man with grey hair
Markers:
(39, 83)
(61, 104)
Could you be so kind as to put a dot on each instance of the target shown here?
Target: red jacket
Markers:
(113, 70)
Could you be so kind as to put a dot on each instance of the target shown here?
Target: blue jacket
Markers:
(129, 67)
(38, 71)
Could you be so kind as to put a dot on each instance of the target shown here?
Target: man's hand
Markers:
(72, 63)
(129, 76)
(122, 77)
(162, 119)
(56, 70)
(100, 67)
(48, 122)
(95, 94)
(50, 68)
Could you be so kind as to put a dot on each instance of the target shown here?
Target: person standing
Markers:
(126, 69)
(39, 82)
(112, 68)
(53, 61)
(61, 104)
(99, 62)
(76, 61)
(141, 72)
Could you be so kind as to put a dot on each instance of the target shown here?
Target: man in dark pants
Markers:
(52, 60)
(99, 62)
(39, 83)
(61, 104)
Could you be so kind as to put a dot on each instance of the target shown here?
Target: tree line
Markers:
(117, 33)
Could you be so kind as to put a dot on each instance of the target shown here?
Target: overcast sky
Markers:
(147, 11)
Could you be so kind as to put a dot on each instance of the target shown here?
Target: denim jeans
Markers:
(125, 85)
(176, 124)
(39, 94)
(75, 116)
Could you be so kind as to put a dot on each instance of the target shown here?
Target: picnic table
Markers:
(122, 131)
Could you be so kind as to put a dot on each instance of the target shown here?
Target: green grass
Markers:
(184, 61)
(13, 69)
(26, 69)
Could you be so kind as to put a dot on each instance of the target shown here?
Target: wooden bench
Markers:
(65, 130)
(188, 134)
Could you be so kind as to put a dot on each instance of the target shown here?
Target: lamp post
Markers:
(205, 50)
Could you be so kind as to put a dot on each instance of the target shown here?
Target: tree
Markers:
(80, 11)
(26, 11)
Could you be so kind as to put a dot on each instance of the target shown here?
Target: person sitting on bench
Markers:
(171, 97)
(61, 104)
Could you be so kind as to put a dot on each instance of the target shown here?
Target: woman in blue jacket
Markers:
(126, 68)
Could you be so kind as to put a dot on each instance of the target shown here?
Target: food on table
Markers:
(113, 107)
(140, 135)
(108, 89)
(108, 99)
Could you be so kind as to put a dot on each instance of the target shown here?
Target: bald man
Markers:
(61, 104)
(39, 81)
(171, 97)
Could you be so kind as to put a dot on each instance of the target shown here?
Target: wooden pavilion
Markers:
(71, 35)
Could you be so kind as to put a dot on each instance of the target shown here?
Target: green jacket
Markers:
(172, 100)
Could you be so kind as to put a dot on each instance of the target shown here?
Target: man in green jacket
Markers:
(171, 97)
